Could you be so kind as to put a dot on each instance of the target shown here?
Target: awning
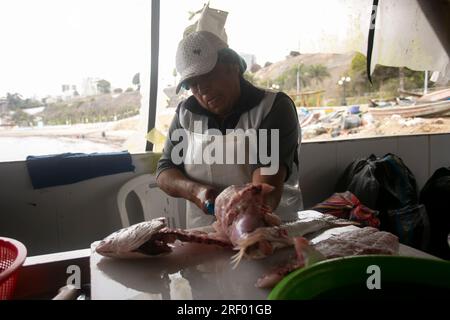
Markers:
(404, 37)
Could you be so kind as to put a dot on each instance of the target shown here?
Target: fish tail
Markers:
(236, 258)
(306, 254)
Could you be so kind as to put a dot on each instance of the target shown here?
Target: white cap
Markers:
(197, 55)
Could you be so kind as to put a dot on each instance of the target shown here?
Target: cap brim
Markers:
(197, 70)
(179, 87)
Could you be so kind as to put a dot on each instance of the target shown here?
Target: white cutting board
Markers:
(206, 268)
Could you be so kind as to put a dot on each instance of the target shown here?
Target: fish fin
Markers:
(272, 219)
(236, 258)
(266, 188)
(306, 254)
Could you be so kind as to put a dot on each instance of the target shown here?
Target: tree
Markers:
(288, 79)
(318, 72)
(104, 86)
(250, 77)
(359, 75)
(137, 81)
(22, 118)
(118, 90)
(255, 68)
(14, 100)
(383, 78)
(30, 103)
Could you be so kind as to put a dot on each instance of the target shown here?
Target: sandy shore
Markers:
(389, 126)
(111, 133)
(118, 132)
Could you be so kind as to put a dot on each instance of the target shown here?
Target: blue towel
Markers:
(67, 168)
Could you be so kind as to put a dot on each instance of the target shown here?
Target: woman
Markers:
(221, 135)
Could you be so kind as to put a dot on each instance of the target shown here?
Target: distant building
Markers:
(69, 91)
(89, 86)
(3, 105)
(250, 59)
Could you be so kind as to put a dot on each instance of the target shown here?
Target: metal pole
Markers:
(154, 51)
(425, 84)
(344, 101)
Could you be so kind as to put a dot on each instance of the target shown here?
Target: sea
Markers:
(18, 148)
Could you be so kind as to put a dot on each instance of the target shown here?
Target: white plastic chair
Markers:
(142, 185)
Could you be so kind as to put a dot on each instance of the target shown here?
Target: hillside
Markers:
(336, 64)
(99, 108)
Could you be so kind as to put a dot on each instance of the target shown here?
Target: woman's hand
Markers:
(272, 198)
(176, 184)
(202, 193)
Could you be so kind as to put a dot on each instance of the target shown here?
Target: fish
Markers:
(306, 255)
(282, 236)
(254, 230)
(360, 241)
(240, 211)
(244, 224)
(152, 238)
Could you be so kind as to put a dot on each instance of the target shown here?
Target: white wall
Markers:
(64, 217)
(72, 216)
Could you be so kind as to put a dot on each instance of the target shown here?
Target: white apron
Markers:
(222, 175)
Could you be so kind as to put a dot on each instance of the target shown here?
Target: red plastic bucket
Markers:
(12, 256)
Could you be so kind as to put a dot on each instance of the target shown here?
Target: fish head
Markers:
(125, 242)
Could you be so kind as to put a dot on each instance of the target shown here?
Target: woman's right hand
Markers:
(176, 184)
(202, 193)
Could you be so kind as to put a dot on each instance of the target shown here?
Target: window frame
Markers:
(154, 61)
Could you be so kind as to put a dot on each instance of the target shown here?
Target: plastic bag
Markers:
(387, 185)
(347, 206)
(359, 178)
(435, 195)
(411, 225)
(380, 183)
(212, 20)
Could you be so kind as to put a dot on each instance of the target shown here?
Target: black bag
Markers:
(359, 178)
(411, 225)
(435, 195)
(387, 185)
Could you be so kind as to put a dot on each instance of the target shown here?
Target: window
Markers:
(316, 52)
(76, 73)
(74, 76)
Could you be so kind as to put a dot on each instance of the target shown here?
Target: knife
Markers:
(209, 205)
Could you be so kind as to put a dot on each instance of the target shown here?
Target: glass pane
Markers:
(174, 19)
(312, 51)
(70, 76)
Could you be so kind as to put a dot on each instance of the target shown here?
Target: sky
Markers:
(256, 27)
(47, 43)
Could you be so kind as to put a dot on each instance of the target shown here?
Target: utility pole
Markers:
(425, 83)
(342, 82)
(298, 71)
(401, 78)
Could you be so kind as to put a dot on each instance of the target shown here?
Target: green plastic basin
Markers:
(392, 277)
